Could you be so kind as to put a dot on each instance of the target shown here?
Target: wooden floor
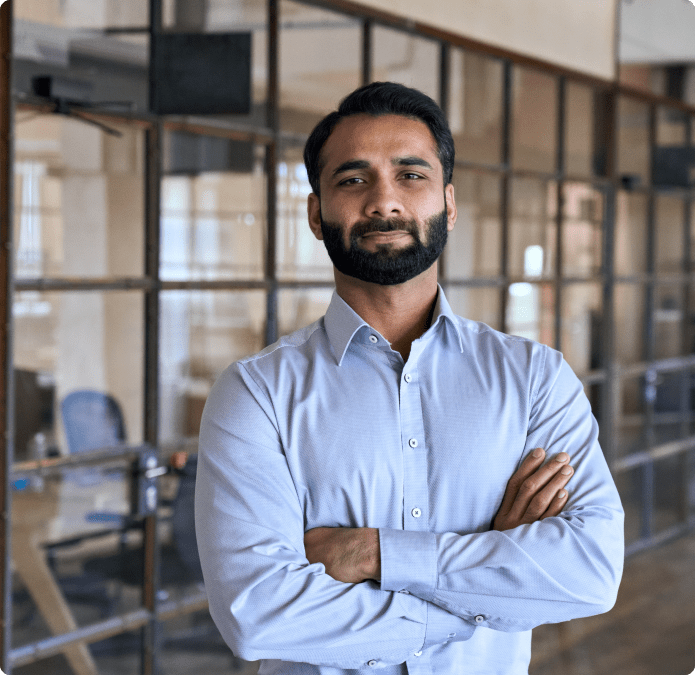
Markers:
(650, 631)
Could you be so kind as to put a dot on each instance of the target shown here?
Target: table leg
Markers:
(30, 563)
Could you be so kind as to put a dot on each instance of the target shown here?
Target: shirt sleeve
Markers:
(267, 600)
(553, 570)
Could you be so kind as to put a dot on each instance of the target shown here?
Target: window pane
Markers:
(582, 320)
(66, 342)
(299, 254)
(109, 13)
(633, 140)
(631, 233)
(534, 120)
(631, 492)
(579, 129)
(669, 234)
(299, 308)
(67, 41)
(474, 247)
(201, 333)
(631, 422)
(320, 63)
(629, 323)
(477, 304)
(532, 228)
(79, 209)
(65, 530)
(213, 217)
(475, 106)
(669, 497)
(405, 58)
(668, 321)
(583, 234)
(530, 312)
(671, 126)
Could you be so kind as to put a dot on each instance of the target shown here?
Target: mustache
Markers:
(384, 225)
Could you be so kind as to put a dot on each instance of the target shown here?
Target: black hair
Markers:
(376, 99)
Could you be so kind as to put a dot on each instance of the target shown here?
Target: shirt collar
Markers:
(342, 323)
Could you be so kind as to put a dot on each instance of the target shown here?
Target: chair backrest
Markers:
(92, 420)
(183, 520)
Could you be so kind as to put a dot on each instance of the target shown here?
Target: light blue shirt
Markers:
(329, 427)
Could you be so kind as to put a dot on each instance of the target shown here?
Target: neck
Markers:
(401, 313)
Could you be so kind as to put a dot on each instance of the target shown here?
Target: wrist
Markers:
(372, 556)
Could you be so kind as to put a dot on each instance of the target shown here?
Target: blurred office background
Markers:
(154, 230)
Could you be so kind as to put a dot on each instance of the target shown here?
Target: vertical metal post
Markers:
(273, 121)
(559, 207)
(153, 176)
(367, 51)
(7, 380)
(505, 187)
(604, 163)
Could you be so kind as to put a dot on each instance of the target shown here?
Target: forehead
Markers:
(364, 137)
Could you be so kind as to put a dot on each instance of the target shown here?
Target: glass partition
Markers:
(319, 63)
(474, 247)
(475, 106)
(534, 135)
(78, 199)
(406, 58)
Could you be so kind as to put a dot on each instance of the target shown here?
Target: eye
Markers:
(412, 176)
(355, 180)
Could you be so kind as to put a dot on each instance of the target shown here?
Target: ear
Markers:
(313, 209)
(451, 212)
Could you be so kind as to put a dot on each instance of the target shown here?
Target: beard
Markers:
(387, 265)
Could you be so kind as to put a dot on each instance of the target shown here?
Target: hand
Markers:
(534, 493)
(349, 554)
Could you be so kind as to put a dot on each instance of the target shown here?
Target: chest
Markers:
(368, 444)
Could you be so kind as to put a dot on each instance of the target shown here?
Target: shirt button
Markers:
(404, 592)
(418, 653)
(416, 513)
(408, 377)
(480, 618)
(413, 442)
(374, 339)
(451, 635)
(371, 663)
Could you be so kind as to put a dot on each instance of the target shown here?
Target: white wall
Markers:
(577, 34)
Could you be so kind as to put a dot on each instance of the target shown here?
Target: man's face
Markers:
(384, 211)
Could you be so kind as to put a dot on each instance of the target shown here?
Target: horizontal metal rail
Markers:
(657, 453)
(50, 465)
(42, 649)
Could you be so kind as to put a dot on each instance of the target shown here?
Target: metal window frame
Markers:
(607, 181)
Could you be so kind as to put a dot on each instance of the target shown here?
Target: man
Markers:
(354, 507)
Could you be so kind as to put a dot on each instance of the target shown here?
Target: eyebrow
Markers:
(410, 160)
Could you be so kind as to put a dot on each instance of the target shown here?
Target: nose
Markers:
(383, 200)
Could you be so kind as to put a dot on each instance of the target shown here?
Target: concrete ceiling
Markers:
(657, 31)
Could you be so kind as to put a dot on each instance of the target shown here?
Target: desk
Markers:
(42, 517)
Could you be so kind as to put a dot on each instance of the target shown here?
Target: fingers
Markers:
(538, 490)
(556, 505)
(531, 462)
(551, 499)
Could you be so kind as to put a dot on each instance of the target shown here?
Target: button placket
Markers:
(415, 489)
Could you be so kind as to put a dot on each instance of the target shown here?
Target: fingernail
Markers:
(566, 470)
(562, 457)
(562, 494)
(538, 452)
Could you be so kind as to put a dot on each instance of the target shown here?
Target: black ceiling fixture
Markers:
(70, 97)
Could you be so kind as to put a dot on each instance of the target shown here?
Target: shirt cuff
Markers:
(408, 562)
(444, 627)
